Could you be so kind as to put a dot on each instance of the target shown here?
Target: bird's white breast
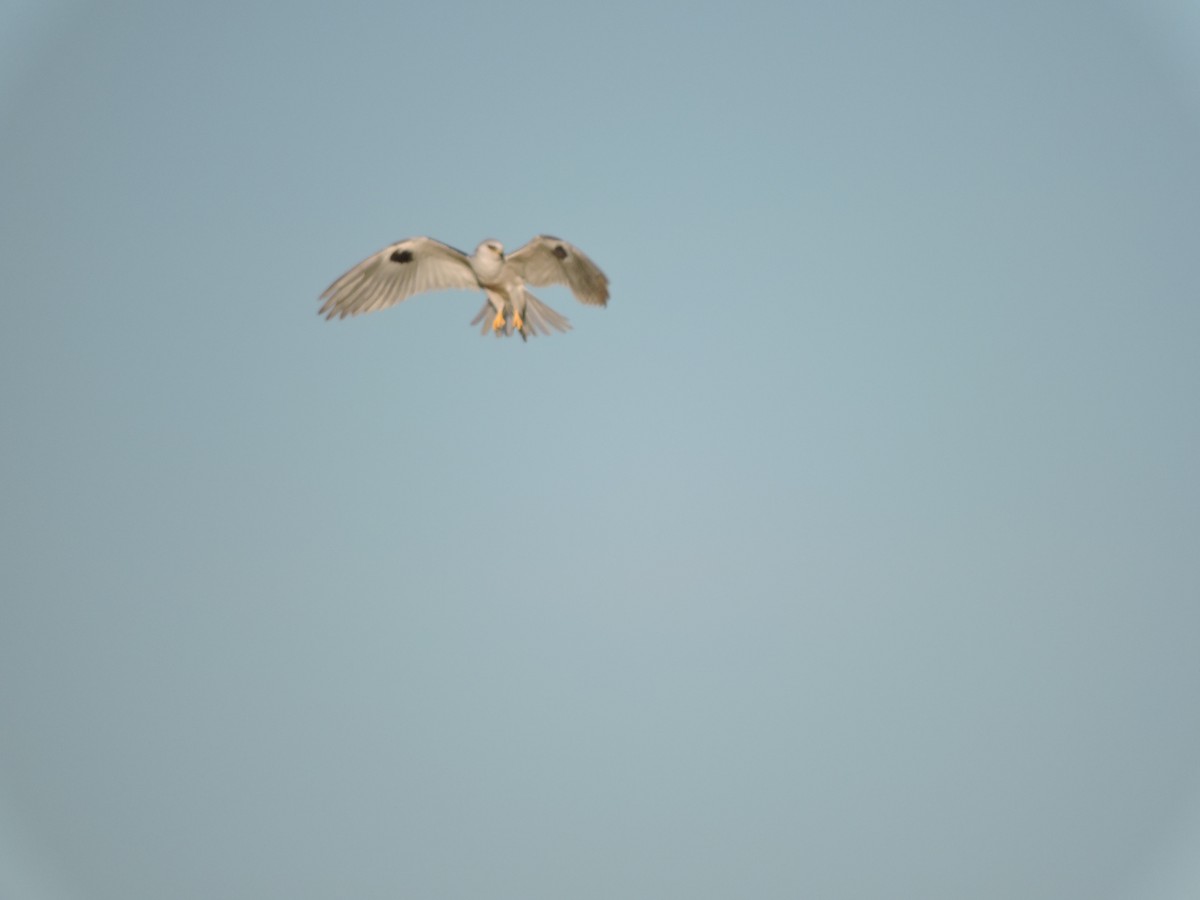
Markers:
(487, 266)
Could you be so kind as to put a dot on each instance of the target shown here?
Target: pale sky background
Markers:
(852, 552)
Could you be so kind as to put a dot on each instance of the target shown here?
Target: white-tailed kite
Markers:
(422, 264)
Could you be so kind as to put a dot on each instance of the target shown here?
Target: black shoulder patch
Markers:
(401, 256)
(560, 251)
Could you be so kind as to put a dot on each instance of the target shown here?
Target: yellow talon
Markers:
(498, 322)
(518, 322)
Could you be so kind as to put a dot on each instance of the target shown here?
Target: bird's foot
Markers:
(518, 322)
(498, 322)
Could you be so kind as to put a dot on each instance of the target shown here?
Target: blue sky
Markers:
(850, 552)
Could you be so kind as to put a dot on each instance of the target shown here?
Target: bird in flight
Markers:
(422, 264)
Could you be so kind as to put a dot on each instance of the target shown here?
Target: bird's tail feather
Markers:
(539, 318)
(485, 316)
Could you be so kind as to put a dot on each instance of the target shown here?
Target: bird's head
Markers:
(491, 248)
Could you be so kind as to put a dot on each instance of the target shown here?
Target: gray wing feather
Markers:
(395, 273)
(550, 260)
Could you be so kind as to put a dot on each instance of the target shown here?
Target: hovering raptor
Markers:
(422, 264)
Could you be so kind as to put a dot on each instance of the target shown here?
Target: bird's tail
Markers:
(539, 318)
(485, 316)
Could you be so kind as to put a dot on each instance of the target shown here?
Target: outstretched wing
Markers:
(550, 260)
(394, 273)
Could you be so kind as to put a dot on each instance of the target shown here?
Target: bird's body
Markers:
(422, 264)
